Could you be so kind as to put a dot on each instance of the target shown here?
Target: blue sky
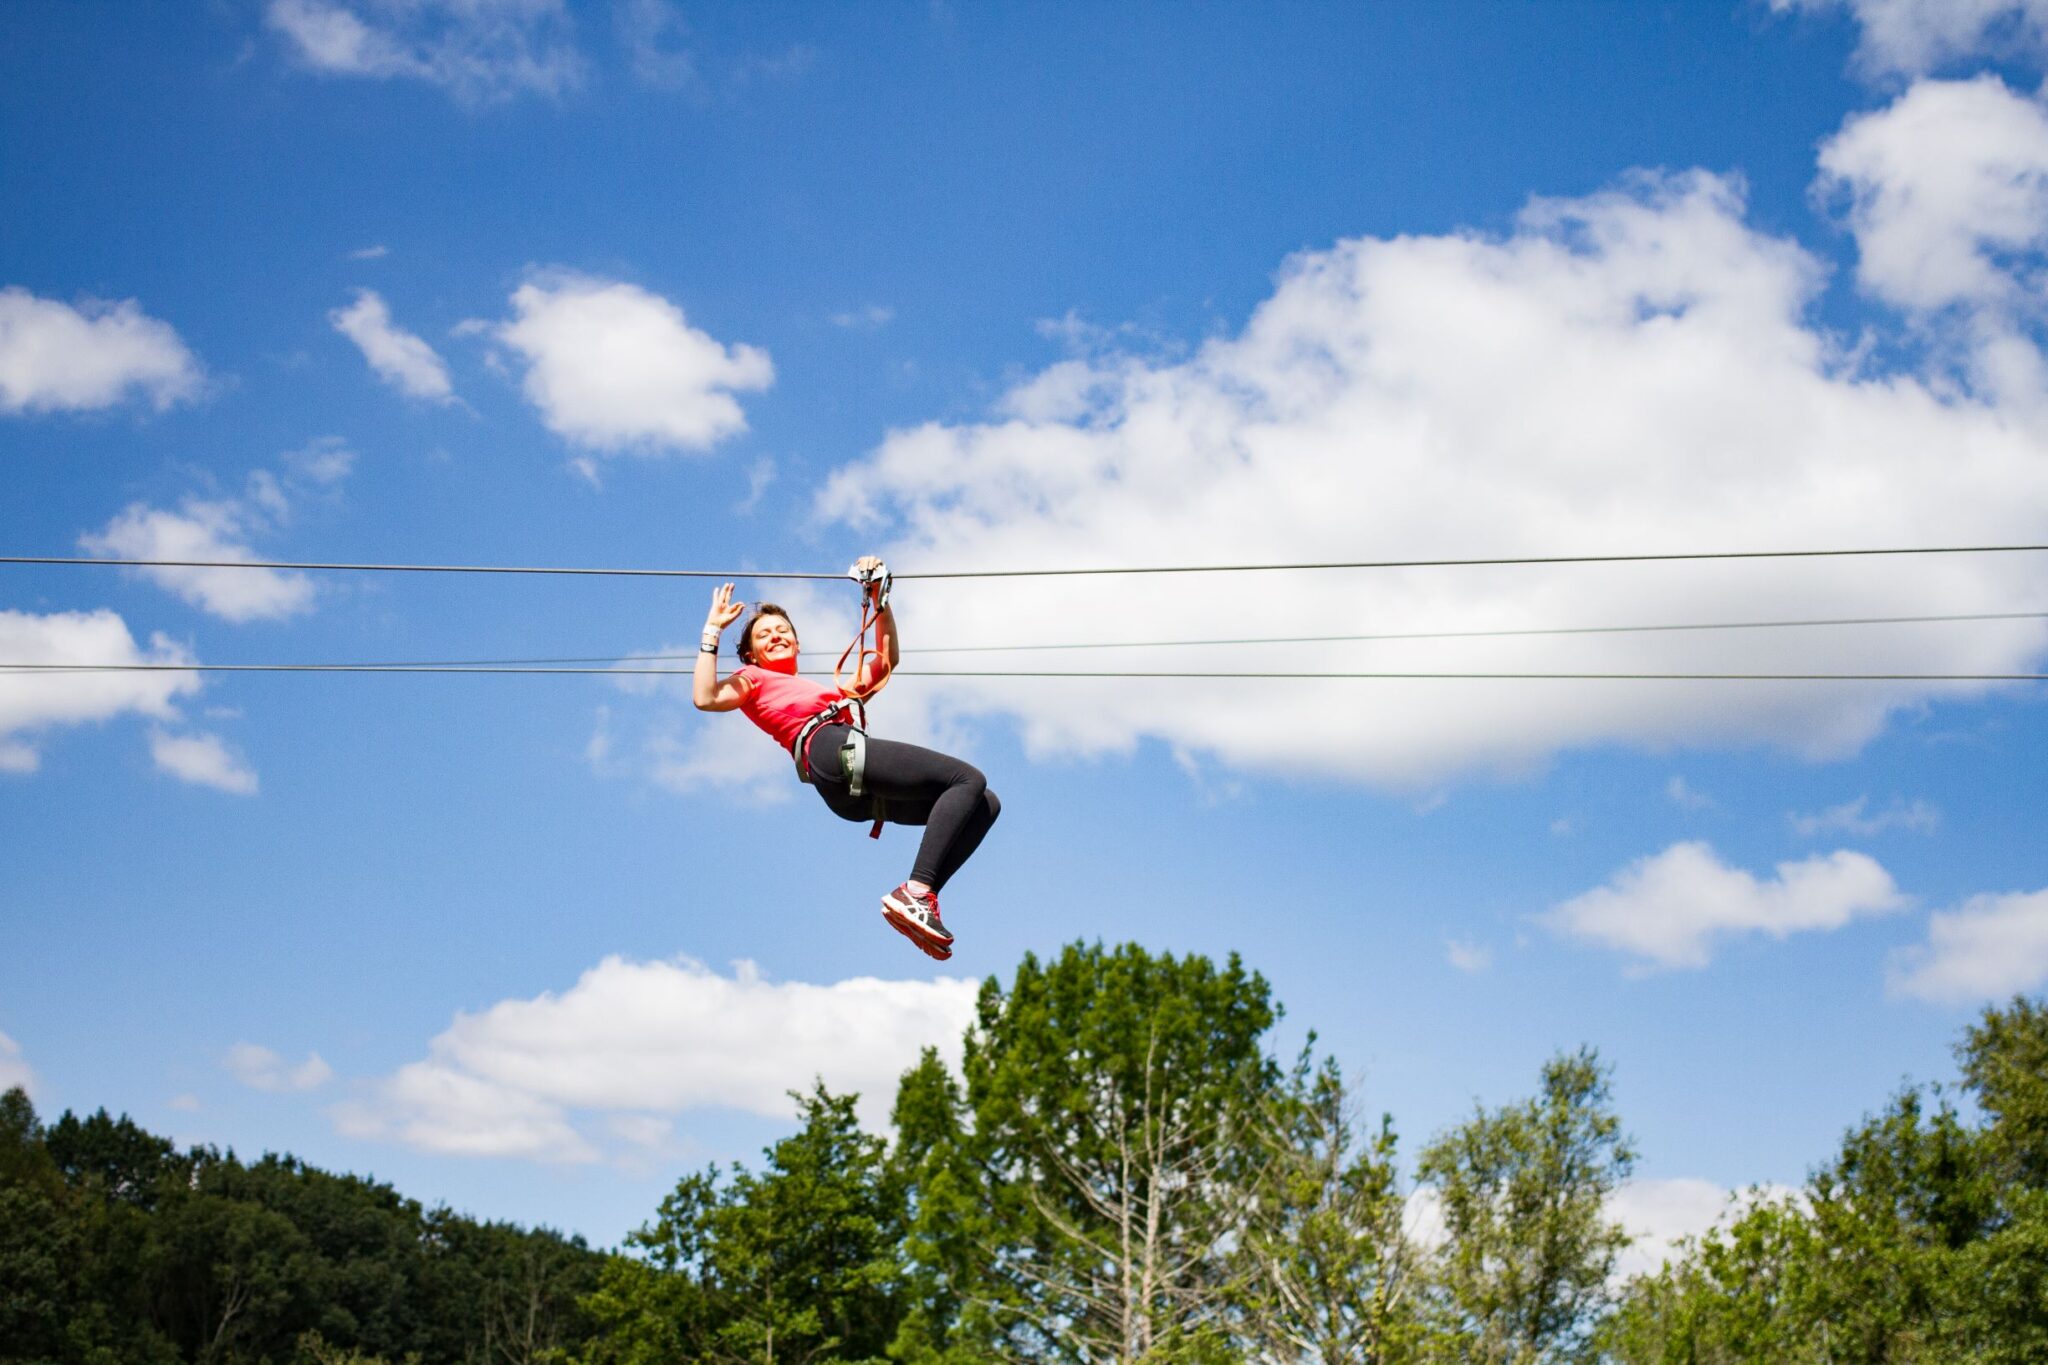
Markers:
(768, 287)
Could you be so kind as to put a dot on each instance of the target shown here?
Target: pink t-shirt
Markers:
(780, 703)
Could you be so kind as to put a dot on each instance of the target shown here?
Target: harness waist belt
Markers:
(853, 754)
(846, 711)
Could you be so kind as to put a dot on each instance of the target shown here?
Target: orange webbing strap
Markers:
(873, 600)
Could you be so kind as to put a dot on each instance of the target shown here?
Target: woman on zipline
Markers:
(824, 730)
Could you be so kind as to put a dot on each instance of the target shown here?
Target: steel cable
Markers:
(19, 669)
(934, 574)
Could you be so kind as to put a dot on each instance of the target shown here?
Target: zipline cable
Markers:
(1471, 634)
(1505, 676)
(1496, 560)
(387, 665)
(18, 669)
(313, 567)
(1481, 562)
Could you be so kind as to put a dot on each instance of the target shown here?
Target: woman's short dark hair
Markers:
(745, 647)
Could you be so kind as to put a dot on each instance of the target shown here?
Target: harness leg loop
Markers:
(853, 760)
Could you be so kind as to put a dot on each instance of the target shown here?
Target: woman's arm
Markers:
(887, 625)
(706, 690)
(872, 672)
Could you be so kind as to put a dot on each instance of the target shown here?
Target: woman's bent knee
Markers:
(993, 805)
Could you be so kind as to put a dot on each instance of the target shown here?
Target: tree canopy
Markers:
(1120, 1170)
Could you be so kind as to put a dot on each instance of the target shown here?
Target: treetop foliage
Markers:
(1924, 1239)
(1120, 1171)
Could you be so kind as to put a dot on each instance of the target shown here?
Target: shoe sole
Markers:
(938, 949)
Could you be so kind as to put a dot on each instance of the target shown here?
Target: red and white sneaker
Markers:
(917, 919)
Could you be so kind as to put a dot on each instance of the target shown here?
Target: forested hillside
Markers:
(1122, 1170)
(116, 1247)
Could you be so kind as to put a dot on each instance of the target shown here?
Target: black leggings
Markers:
(907, 785)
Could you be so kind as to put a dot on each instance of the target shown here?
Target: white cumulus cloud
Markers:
(322, 462)
(635, 1042)
(216, 531)
(614, 368)
(478, 50)
(1944, 187)
(14, 1069)
(32, 702)
(1989, 946)
(259, 1068)
(1422, 1218)
(207, 531)
(1658, 1214)
(399, 357)
(204, 760)
(437, 1108)
(1911, 37)
(689, 757)
(1672, 908)
(57, 358)
(1635, 371)
(641, 1130)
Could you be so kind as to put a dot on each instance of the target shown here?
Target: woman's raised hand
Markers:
(724, 611)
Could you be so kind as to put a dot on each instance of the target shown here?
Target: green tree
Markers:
(1746, 1292)
(225, 1276)
(942, 1192)
(657, 1304)
(2003, 1308)
(37, 1241)
(25, 1161)
(2004, 1059)
(116, 1249)
(1924, 1239)
(1327, 1274)
(493, 1292)
(806, 1249)
(1906, 1191)
(314, 1349)
(1523, 1275)
(794, 1265)
(67, 1282)
(114, 1158)
(1862, 1268)
(1080, 1205)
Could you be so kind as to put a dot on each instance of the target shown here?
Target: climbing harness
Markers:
(851, 710)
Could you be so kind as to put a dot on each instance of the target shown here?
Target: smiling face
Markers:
(771, 640)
